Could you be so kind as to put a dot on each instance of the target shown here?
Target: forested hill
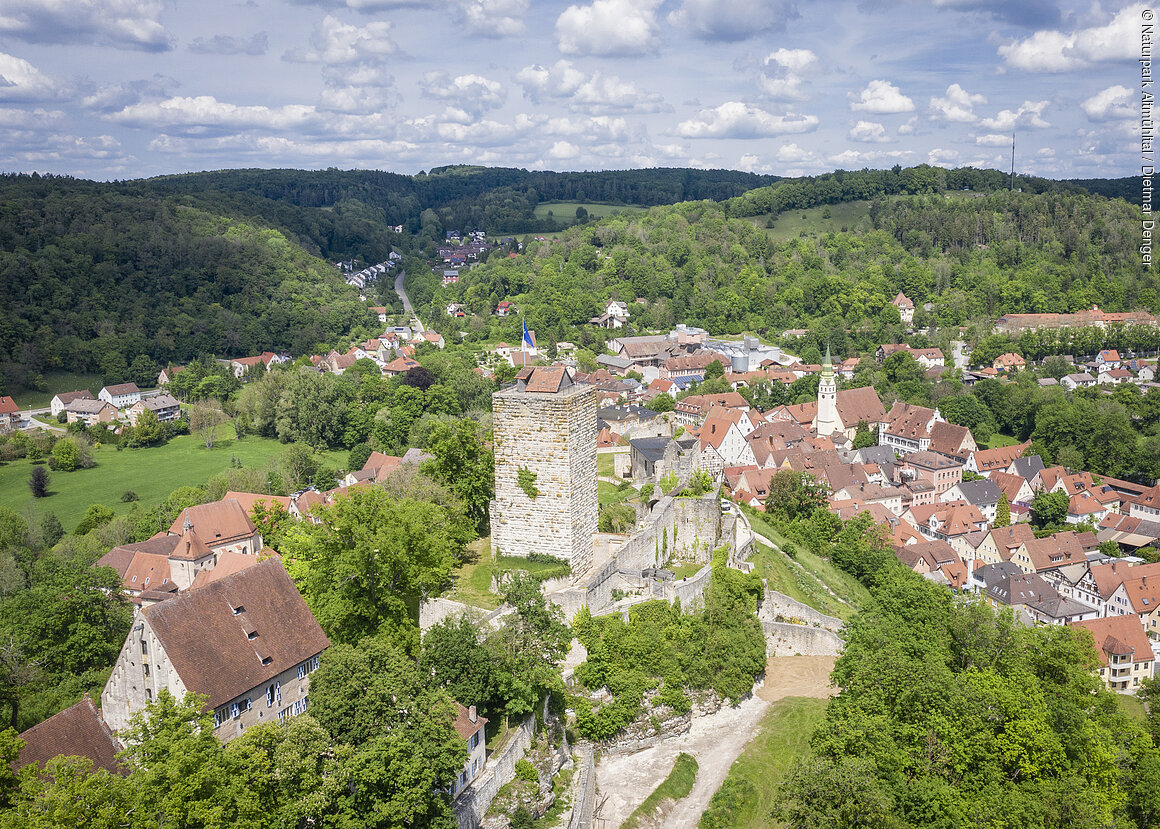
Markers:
(93, 279)
(495, 199)
(972, 256)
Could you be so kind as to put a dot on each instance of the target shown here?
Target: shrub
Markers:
(526, 771)
(129, 496)
(526, 479)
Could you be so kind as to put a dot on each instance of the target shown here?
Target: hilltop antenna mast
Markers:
(1012, 159)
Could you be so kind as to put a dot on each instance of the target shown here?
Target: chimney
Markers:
(471, 715)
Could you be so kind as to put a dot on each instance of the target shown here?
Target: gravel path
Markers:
(624, 781)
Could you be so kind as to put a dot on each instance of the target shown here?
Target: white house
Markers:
(122, 395)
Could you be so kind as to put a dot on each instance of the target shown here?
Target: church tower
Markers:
(827, 418)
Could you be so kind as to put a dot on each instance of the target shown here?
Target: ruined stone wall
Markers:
(554, 437)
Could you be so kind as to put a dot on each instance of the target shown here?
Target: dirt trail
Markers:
(624, 781)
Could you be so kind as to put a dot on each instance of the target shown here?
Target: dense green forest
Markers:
(972, 256)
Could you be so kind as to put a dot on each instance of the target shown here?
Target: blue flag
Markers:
(528, 337)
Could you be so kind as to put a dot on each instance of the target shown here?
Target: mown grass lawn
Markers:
(747, 797)
(471, 581)
(152, 473)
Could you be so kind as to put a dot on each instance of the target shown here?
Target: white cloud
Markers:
(608, 27)
(1051, 50)
(563, 150)
(734, 119)
(792, 153)
(1113, 102)
(472, 93)
(494, 18)
(909, 127)
(202, 113)
(334, 42)
(957, 105)
(993, 139)
(868, 132)
(733, 20)
(131, 24)
(21, 81)
(854, 159)
(783, 71)
(881, 97)
(1029, 114)
(585, 92)
(229, 45)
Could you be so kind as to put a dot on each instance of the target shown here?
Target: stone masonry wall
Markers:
(784, 639)
(473, 801)
(554, 437)
(776, 604)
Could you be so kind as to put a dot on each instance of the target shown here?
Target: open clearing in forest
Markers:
(624, 781)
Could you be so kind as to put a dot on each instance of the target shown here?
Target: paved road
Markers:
(402, 292)
(416, 324)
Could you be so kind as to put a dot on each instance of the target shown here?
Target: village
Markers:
(958, 514)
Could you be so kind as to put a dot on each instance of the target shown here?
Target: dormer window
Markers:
(237, 610)
(252, 635)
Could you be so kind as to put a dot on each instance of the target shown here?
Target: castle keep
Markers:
(545, 467)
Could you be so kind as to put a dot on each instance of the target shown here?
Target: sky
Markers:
(121, 89)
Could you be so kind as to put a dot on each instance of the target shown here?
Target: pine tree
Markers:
(38, 482)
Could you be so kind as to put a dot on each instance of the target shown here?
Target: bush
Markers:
(526, 771)
(129, 496)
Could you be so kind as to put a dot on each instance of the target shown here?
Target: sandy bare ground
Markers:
(624, 781)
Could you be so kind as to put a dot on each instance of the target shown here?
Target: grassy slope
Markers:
(746, 798)
(805, 583)
(152, 473)
(57, 382)
(793, 223)
(566, 210)
(677, 785)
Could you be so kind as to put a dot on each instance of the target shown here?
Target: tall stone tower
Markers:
(545, 467)
(827, 419)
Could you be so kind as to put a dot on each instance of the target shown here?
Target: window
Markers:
(149, 694)
(144, 646)
(269, 695)
(278, 690)
(252, 635)
(246, 704)
(146, 667)
(302, 671)
(234, 711)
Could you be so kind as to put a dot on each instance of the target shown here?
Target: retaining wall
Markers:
(785, 639)
(776, 604)
(473, 802)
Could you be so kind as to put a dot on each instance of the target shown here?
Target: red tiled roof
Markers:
(75, 731)
(204, 631)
